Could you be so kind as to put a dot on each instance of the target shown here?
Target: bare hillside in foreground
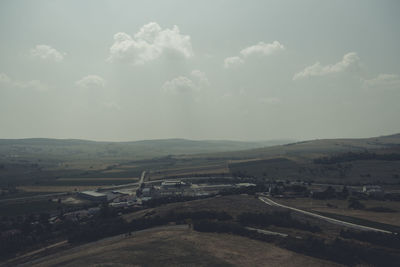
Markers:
(178, 247)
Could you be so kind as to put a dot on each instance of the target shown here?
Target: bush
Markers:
(355, 204)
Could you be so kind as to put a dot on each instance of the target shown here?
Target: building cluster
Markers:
(129, 197)
(180, 188)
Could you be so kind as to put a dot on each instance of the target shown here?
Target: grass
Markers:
(179, 248)
(233, 205)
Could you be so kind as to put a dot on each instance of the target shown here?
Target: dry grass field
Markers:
(178, 247)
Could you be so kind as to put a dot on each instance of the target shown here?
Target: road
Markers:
(142, 178)
(328, 219)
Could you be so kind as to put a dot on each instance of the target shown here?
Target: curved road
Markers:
(328, 219)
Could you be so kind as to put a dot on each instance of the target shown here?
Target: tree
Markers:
(355, 204)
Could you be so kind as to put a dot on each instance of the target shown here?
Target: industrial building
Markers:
(172, 184)
(93, 196)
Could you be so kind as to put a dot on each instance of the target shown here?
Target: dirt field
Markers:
(178, 247)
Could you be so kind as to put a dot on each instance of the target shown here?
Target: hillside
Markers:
(171, 246)
(348, 161)
(316, 148)
(44, 161)
(71, 149)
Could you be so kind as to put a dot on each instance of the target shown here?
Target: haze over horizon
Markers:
(205, 70)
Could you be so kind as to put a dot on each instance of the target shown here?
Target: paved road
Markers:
(142, 178)
(328, 219)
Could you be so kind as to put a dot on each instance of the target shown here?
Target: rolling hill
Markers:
(72, 149)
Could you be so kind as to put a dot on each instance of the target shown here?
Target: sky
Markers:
(116, 70)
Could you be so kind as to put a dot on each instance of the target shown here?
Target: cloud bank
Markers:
(317, 69)
(263, 49)
(150, 43)
(183, 85)
(232, 62)
(7, 83)
(91, 81)
(46, 52)
(383, 81)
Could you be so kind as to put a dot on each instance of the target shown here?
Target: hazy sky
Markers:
(243, 70)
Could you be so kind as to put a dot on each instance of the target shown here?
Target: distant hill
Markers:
(64, 149)
(352, 161)
(316, 148)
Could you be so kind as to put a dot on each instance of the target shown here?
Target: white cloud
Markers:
(201, 77)
(184, 84)
(383, 81)
(150, 43)
(7, 82)
(232, 62)
(317, 69)
(33, 84)
(263, 49)
(91, 81)
(46, 52)
(179, 85)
